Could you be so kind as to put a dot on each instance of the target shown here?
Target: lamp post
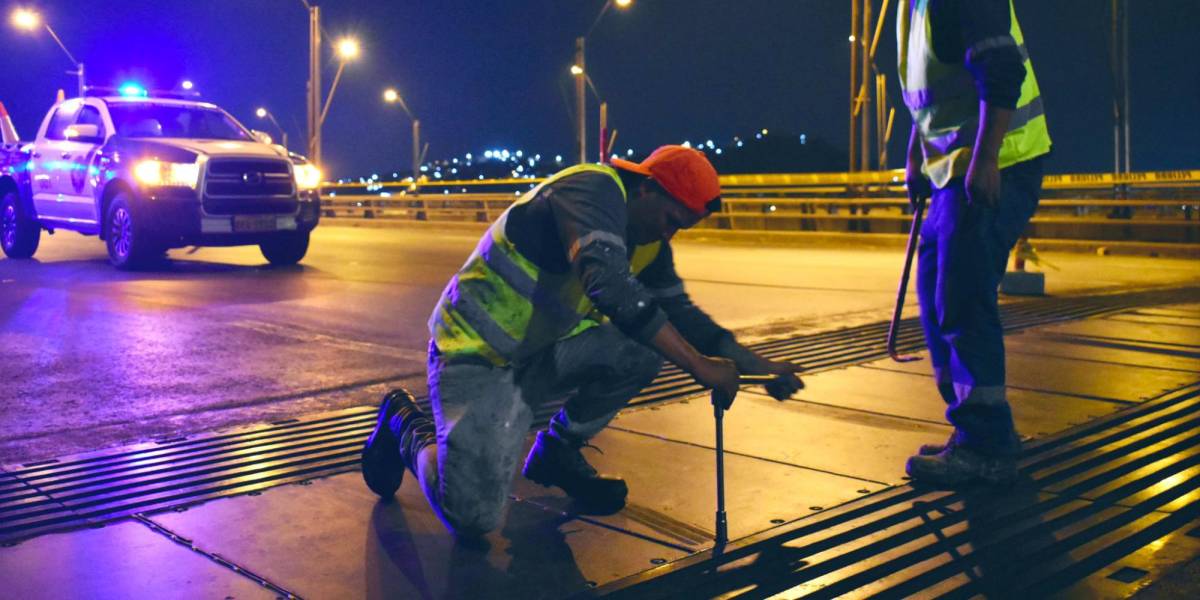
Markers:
(23, 18)
(263, 113)
(579, 70)
(391, 96)
(313, 101)
(347, 50)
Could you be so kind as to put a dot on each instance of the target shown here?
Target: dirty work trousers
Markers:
(963, 254)
(483, 414)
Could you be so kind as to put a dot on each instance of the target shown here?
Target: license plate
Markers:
(253, 223)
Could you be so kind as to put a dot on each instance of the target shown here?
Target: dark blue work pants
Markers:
(962, 256)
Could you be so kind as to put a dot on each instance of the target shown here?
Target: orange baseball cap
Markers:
(684, 173)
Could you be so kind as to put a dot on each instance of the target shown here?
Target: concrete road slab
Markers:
(1034, 343)
(672, 489)
(914, 396)
(1122, 384)
(1109, 329)
(335, 539)
(123, 560)
(826, 438)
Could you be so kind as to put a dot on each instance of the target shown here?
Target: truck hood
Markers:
(225, 147)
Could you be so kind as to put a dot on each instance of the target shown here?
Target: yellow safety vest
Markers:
(501, 307)
(944, 102)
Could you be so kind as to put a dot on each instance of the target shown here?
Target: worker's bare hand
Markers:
(983, 182)
(786, 383)
(719, 375)
(917, 183)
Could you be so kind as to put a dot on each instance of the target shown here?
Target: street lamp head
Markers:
(261, 113)
(391, 96)
(347, 48)
(576, 70)
(187, 85)
(624, 3)
(23, 18)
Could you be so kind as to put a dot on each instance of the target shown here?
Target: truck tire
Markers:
(129, 245)
(285, 248)
(19, 233)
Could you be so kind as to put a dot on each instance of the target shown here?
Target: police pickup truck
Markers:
(146, 174)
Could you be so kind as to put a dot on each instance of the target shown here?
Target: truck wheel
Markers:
(129, 246)
(19, 234)
(285, 248)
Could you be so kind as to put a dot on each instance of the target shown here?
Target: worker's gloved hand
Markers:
(917, 183)
(719, 375)
(786, 383)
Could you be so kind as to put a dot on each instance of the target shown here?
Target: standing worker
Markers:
(976, 147)
(571, 293)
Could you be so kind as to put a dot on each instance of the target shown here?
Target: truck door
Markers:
(49, 164)
(79, 154)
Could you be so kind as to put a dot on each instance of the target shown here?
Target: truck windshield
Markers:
(172, 121)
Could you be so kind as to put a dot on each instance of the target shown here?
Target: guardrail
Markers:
(1145, 207)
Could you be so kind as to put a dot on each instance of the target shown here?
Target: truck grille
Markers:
(249, 186)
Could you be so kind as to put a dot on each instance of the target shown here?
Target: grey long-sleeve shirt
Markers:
(580, 224)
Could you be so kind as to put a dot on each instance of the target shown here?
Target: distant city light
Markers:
(629, 152)
(853, 39)
(718, 151)
(487, 153)
(557, 158)
(764, 132)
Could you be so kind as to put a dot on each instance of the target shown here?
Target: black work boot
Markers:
(400, 433)
(552, 461)
(956, 465)
(932, 449)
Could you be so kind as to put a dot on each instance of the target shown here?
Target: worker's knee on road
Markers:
(474, 520)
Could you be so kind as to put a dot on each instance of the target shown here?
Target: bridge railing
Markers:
(1147, 207)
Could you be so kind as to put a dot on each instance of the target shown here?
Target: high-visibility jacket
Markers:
(944, 102)
(502, 307)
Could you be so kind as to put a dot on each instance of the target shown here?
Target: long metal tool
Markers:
(914, 233)
(722, 526)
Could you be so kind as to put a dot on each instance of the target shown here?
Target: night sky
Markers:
(494, 74)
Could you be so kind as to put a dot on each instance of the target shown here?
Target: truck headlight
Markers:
(308, 177)
(156, 173)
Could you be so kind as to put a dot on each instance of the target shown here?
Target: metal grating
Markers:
(1091, 496)
(94, 488)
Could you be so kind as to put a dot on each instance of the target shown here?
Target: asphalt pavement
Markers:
(213, 338)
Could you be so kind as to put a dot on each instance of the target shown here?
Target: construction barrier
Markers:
(1148, 207)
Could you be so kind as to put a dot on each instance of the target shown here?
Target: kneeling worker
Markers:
(571, 293)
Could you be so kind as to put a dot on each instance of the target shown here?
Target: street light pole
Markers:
(391, 96)
(313, 103)
(26, 19)
(581, 99)
(579, 69)
(263, 113)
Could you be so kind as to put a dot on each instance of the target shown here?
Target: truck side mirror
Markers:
(261, 136)
(87, 133)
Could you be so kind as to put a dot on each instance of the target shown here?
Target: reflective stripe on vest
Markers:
(503, 308)
(944, 101)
